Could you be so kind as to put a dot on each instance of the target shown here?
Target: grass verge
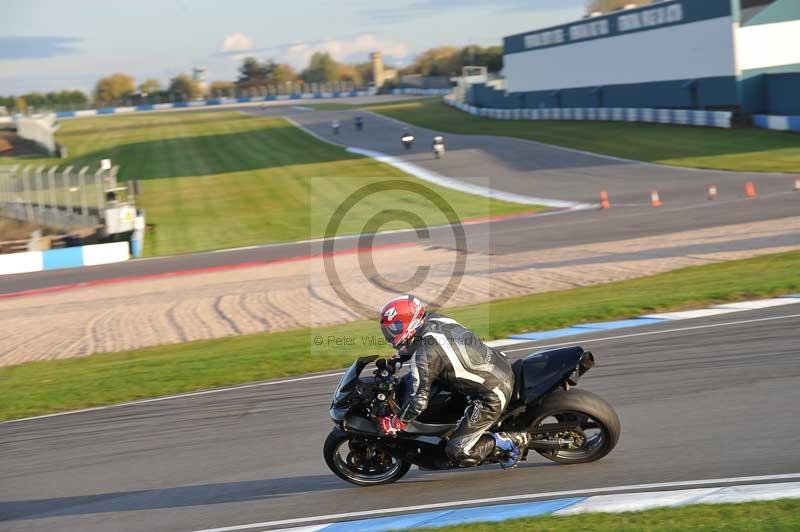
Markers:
(213, 180)
(753, 150)
(45, 387)
(770, 516)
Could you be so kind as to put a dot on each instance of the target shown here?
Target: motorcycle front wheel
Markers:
(361, 462)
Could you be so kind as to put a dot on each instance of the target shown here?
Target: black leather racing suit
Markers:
(448, 352)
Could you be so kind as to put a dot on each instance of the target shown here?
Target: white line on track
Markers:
(679, 329)
(507, 498)
(340, 373)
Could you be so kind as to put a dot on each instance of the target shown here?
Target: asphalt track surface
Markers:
(505, 164)
(699, 399)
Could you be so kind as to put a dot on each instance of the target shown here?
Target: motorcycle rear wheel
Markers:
(599, 425)
(354, 467)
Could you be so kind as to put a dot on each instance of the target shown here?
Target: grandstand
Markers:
(739, 55)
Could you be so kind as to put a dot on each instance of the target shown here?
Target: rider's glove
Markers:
(395, 362)
(391, 425)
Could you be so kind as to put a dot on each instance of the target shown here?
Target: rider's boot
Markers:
(512, 445)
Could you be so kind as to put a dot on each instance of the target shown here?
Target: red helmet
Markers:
(401, 318)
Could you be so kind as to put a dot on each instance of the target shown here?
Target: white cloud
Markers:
(236, 42)
(353, 49)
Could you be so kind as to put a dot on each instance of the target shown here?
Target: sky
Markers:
(50, 45)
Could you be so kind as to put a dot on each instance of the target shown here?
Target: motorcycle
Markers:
(359, 123)
(438, 147)
(408, 141)
(335, 127)
(566, 425)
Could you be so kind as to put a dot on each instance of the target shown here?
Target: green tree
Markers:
(439, 61)
(7, 102)
(149, 86)
(605, 6)
(282, 73)
(350, 73)
(490, 57)
(76, 98)
(365, 71)
(36, 100)
(251, 74)
(183, 87)
(114, 89)
(322, 68)
(221, 89)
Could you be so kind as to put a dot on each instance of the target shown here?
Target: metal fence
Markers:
(59, 198)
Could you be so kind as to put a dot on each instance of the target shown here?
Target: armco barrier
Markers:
(720, 119)
(778, 123)
(54, 259)
(214, 102)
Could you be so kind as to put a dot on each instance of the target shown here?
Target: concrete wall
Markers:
(698, 50)
(38, 129)
(778, 123)
(672, 54)
(675, 54)
(54, 259)
(768, 58)
(783, 93)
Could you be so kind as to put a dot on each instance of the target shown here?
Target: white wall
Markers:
(686, 51)
(768, 45)
(40, 129)
(105, 253)
(27, 261)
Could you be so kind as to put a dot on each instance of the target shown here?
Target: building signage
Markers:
(637, 20)
(545, 38)
(650, 18)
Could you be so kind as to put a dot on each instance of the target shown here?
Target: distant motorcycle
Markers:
(566, 425)
(359, 123)
(336, 126)
(408, 140)
(438, 147)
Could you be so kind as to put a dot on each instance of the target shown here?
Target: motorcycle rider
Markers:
(407, 138)
(440, 349)
(438, 145)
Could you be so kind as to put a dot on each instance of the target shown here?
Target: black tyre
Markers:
(599, 425)
(361, 463)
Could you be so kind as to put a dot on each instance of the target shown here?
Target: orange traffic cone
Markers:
(655, 199)
(604, 203)
(712, 192)
(750, 190)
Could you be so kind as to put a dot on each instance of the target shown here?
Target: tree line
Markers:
(257, 76)
(51, 100)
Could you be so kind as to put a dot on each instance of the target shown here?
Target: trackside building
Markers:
(684, 54)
